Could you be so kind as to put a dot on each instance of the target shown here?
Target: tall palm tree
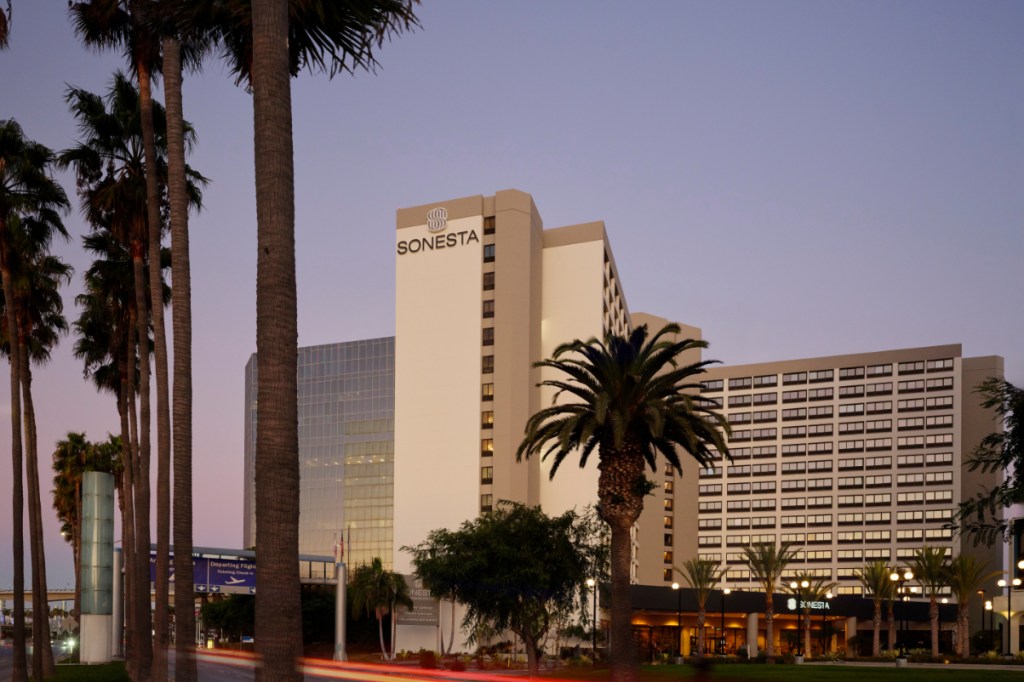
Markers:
(5, 26)
(931, 570)
(874, 577)
(39, 311)
(768, 562)
(269, 41)
(967, 574)
(701, 575)
(634, 402)
(378, 592)
(27, 193)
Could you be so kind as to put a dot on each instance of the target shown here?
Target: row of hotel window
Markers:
(847, 464)
(874, 425)
(845, 374)
(825, 538)
(825, 448)
(902, 442)
(845, 410)
(829, 393)
(843, 482)
(825, 502)
(844, 519)
(885, 554)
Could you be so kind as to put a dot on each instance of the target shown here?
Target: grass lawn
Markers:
(811, 673)
(110, 672)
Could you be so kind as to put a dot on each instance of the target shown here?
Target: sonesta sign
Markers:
(437, 221)
(811, 605)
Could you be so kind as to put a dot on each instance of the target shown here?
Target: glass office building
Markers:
(346, 448)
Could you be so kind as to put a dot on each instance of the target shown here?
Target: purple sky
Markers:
(796, 178)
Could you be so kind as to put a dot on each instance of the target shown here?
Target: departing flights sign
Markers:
(209, 575)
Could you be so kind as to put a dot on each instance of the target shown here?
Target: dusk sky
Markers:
(796, 178)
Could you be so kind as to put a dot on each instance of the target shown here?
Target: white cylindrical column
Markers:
(341, 575)
(117, 623)
(96, 566)
(851, 631)
(751, 635)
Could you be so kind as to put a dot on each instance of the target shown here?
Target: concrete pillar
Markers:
(1015, 632)
(752, 635)
(97, 567)
(851, 631)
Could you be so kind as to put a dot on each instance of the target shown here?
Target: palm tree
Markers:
(634, 402)
(817, 589)
(768, 562)
(874, 577)
(378, 591)
(931, 570)
(5, 26)
(967, 574)
(269, 41)
(701, 575)
(31, 202)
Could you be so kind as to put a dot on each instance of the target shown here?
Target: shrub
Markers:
(428, 659)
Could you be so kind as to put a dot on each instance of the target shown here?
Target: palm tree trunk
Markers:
(131, 447)
(19, 669)
(380, 633)
(807, 634)
(933, 615)
(278, 614)
(769, 625)
(701, 634)
(622, 655)
(143, 620)
(181, 313)
(876, 630)
(892, 626)
(42, 654)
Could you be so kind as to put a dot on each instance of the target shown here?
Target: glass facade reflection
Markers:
(346, 448)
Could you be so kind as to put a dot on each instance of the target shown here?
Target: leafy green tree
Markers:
(31, 205)
(931, 570)
(967, 574)
(512, 568)
(701, 575)
(379, 591)
(633, 402)
(874, 577)
(768, 562)
(233, 615)
(999, 452)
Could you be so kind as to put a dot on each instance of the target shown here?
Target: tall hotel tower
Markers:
(483, 292)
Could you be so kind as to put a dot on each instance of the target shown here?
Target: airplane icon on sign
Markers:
(235, 581)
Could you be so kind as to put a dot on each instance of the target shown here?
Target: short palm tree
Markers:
(378, 591)
(967, 574)
(768, 562)
(817, 589)
(931, 570)
(874, 577)
(634, 401)
(701, 575)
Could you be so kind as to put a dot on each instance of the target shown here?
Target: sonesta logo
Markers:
(812, 605)
(437, 219)
(437, 242)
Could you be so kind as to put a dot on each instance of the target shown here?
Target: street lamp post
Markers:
(824, 643)
(944, 601)
(592, 584)
(679, 619)
(991, 620)
(799, 589)
(725, 591)
(899, 580)
(1009, 608)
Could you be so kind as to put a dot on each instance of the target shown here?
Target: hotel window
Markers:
(709, 507)
(911, 367)
(820, 465)
(715, 385)
(666, 557)
(487, 392)
(745, 382)
(850, 519)
(668, 521)
(851, 373)
(738, 505)
(794, 503)
(486, 502)
(767, 380)
(939, 458)
(488, 253)
(794, 413)
(945, 401)
(878, 500)
(851, 409)
(486, 474)
(486, 447)
(879, 370)
(938, 496)
(939, 439)
(821, 412)
(820, 375)
(851, 391)
(666, 575)
(763, 505)
(910, 386)
(739, 400)
(819, 430)
(910, 423)
(792, 467)
(794, 450)
(667, 540)
(793, 396)
(488, 281)
(489, 308)
(854, 463)
(488, 364)
(489, 337)
(878, 444)
(880, 407)
(850, 500)
(489, 225)
(669, 487)
(878, 518)
(938, 514)
(910, 405)
(709, 524)
(879, 462)
(668, 504)
(940, 384)
(945, 420)
(766, 416)
(879, 389)
(940, 365)
(794, 378)
(879, 425)
(766, 398)
(820, 448)
(487, 420)
(933, 477)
